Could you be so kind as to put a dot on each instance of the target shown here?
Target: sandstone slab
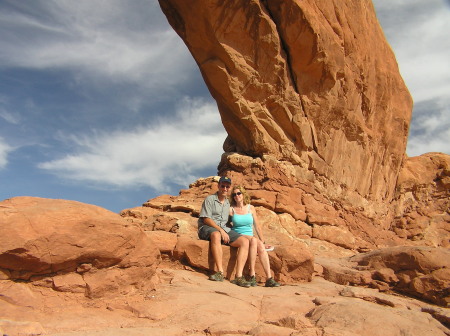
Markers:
(73, 246)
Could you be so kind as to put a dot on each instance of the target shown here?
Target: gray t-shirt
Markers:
(218, 212)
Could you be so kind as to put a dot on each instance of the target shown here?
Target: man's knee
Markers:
(215, 237)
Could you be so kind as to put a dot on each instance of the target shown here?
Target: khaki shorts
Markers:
(205, 232)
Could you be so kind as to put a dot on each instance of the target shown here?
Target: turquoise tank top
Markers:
(243, 224)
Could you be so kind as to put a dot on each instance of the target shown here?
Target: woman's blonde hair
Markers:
(244, 193)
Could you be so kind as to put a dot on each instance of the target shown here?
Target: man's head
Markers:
(224, 186)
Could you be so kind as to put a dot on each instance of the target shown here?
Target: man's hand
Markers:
(225, 236)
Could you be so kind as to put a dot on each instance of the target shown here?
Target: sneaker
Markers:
(240, 281)
(252, 281)
(271, 283)
(218, 276)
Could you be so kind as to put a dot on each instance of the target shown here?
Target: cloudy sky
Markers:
(100, 101)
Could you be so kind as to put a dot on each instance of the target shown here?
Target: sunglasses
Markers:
(224, 186)
(236, 194)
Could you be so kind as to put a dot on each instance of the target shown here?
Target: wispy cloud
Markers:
(430, 128)
(419, 37)
(99, 41)
(153, 155)
(8, 116)
(5, 114)
(5, 149)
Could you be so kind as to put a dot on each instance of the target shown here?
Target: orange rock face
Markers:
(73, 247)
(423, 200)
(313, 83)
(422, 272)
(316, 111)
(317, 116)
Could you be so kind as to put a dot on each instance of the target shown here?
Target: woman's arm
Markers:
(230, 217)
(255, 224)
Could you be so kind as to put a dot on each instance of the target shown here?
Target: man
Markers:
(212, 226)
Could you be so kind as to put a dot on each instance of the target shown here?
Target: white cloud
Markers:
(424, 56)
(9, 117)
(98, 41)
(418, 33)
(439, 144)
(5, 149)
(5, 114)
(152, 155)
(420, 41)
(430, 129)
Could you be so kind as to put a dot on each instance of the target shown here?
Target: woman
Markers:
(244, 219)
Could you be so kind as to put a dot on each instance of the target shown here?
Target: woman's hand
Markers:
(268, 247)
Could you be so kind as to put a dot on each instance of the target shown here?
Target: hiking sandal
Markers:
(240, 281)
(271, 283)
(252, 281)
(218, 276)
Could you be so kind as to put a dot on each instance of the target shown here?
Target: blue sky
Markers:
(100, 101)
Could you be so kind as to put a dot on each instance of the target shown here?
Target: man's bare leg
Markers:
(215, 240)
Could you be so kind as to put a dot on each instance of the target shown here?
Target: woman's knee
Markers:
(242, 242)
(261, 247)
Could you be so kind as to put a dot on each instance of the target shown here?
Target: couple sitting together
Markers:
(213, 225)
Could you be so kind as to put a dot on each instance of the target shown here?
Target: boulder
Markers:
(289, 263)
(77, 247)
(356, 317)
(423, 272)
(422, 200)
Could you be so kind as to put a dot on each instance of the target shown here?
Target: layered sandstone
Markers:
(73, 247)
(316, 112)
(310, 83)
(186, 303)
(317, 116)
(422, 200)
(303, 250)
(75, 269)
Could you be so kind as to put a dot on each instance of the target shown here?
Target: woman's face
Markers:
(237, 195)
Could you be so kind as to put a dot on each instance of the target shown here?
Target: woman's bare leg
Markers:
(264, 258)
(253, 249)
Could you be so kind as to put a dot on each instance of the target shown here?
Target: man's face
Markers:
(224, 188)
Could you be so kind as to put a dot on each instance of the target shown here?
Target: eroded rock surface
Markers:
(316, 112)
(317, 117)
(312, 83)
(186, 303)
(73, 247)
(423, 200)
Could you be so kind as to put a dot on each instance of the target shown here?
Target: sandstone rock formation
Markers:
(308, 83)
(317, 117)
(422, 272)
(74, 269)
(423, 200)
(316, 112)
(73, 247)
(186, 303)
